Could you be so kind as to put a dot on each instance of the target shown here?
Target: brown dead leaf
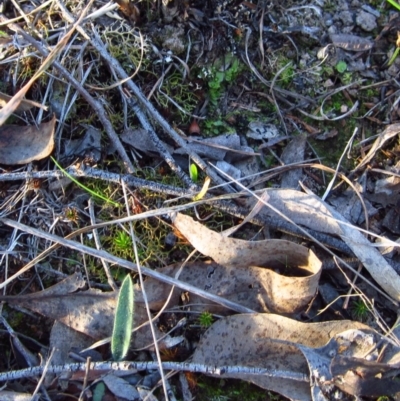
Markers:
(257, 288)
(255, 340)
(269, 276)
(88, 312)
(310, 211)
(23, 144)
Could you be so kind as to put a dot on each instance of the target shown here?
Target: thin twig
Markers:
(228, 207)
(128, 265)
(144, 293)
(99, 46)
(96, 105)
(139, 366)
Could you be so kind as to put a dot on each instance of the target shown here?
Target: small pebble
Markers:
(366, 21)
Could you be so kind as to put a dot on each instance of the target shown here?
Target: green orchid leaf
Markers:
(122, 330)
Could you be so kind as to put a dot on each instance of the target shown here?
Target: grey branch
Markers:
(138, 366)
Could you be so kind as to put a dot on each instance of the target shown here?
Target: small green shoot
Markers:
(360, 310)
(122, 331)
(341, 67)
(123, 241)
(394, 4)
(206, 319)
(194, 174)
(73, 179)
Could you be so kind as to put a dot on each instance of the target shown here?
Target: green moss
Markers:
(360, 310)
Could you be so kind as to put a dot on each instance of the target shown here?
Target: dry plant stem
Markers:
(14, 102)
(146, 302)
(225, 206)
(99, 46)
(96, 237)
(271, 91)
(160, 146)
(128, 265)
(133, 367)
(44, 372)
(97, 107)
(85, 380)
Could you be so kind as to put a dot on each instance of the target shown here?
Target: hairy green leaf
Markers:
(122, 330)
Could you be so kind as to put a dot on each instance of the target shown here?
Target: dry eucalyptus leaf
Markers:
(308, 210)
(23, 144)
(89, 312)
(270, 276)
(257, 288)
(120, 387)
(63, 339)
(267, 341)
(140, 140)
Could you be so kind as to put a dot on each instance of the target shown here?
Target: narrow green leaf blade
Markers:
(122, 330)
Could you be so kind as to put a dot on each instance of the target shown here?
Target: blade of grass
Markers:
(394, 4)
(73, 179)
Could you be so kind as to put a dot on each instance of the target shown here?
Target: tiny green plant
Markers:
(73, 179)
(341, 67)
(218, 79)
(206, 319)
(122, 330)
(360, 310)
(122, 241)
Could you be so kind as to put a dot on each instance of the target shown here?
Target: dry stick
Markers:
(97, 241)
(138, 366)
(229, 207)
(99, 46)
(145, 299)
(320, 244)
(128, 265)
(96, 105)
(161, 148)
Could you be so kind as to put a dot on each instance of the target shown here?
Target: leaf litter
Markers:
(303, 360)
